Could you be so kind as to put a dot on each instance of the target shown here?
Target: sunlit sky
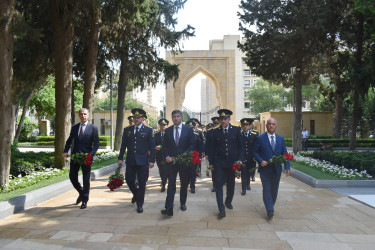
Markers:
(212, 19)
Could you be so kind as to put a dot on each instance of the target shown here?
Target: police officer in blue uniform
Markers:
(215, 122)
(198, 146)
(160, 159)
(248, 167)
(226, 148)
(139, 141)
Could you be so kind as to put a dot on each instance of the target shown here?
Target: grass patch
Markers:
(44, 183)
(313, 172)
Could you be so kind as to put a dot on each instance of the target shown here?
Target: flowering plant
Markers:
(236, 167)
(88, 159)
(280, 159)
(208, 170)
(116, 180)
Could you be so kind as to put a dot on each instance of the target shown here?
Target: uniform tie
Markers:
(272, 143)
(177, 136)
(225, 131)
(81, 132)
(247, 134)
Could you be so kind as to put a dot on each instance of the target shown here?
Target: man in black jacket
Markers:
(85, 139)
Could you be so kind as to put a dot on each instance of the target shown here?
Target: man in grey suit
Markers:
(178, 139)
(85, 139)
(270, 144)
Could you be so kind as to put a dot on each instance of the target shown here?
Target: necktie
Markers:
(162, 135)
(247, 134)
(225, 131)
(272, 143)
(136, 130)
(177, 136)
(81, 132)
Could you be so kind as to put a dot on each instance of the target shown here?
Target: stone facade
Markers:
(223, 65)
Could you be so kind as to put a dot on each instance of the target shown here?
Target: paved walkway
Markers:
(305, 218)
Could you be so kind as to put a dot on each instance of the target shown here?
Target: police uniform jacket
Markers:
(138, 146)
(200, 142)
(249, 145)
(158, 142)
(226, 149)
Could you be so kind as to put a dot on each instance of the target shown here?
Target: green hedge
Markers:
(348, 159)
(317, 143)
(50, 140)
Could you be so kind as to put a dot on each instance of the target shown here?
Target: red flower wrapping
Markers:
(289, 157)
(116, 180)
(195, 158)
(88, 159)
(236, 167)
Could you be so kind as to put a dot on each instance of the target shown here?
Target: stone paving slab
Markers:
(305, 218)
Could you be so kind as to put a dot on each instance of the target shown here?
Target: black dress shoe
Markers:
(192, 190)
(252, 178)
(228, 205)
(139, 210)
(183, 207)
(162, 189)
(243, 192)
(167, 212)
(269, 215)
(133, 199)
(248, 187)
(221, 215)
(78, 200)
(213, 190)
(84, 204)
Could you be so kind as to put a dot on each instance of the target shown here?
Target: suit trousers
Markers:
(270, 183)
(193, 175)
(162, 172)
(140, 171)
(224, 175)
(73, 176)
(245, 175)
(172, 170)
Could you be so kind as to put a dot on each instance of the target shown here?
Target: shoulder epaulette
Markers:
(254, 133)
(157, 131)
(218, 126)
(196, 133)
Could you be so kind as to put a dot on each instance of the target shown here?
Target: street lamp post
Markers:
(111, 108)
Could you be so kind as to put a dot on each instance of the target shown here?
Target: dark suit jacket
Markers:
(226, 150)
(89, 143)
(138, 146)
(263, 152)
(186, 142)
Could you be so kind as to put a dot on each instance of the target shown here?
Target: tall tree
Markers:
(288, 34)
(62, 13)
(136, 33)
(7, 108)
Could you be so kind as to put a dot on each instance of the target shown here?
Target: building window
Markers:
(246, 72)
(246, 94)
(254, 81)
(247, 83)
(246, 105)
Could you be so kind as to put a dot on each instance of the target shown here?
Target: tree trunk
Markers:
(20, 124)
(337, 126)
(297, 143)
(7, 108)
(123, 82)
(91, 59)
(63, 54)
(72, 111)
(353, 134)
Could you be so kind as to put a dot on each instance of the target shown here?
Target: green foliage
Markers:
(349, 159)
(105, 103)
(43, 102)
(265, 96)
(27, 129)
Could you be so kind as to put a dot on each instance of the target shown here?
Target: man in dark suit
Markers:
(85, 139)
(215, 122)
(270, 144)
(160, 159)
(226, 148)
(249, 138)
(139, 141)
(178, 139)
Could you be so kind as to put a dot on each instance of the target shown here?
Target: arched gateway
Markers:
(223, 64)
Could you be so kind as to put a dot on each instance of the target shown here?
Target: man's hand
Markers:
(168, 159)
(64, 155)
(212, 167)
(157, 148)
(150, 165)
(119, 162)
(287, 172)
(263, 164)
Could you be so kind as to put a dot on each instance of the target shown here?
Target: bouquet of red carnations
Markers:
(236, 167)
(82, 158)
(116, 180)
(281, 159)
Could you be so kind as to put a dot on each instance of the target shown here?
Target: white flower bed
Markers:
(339, 171)
(47, 173)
